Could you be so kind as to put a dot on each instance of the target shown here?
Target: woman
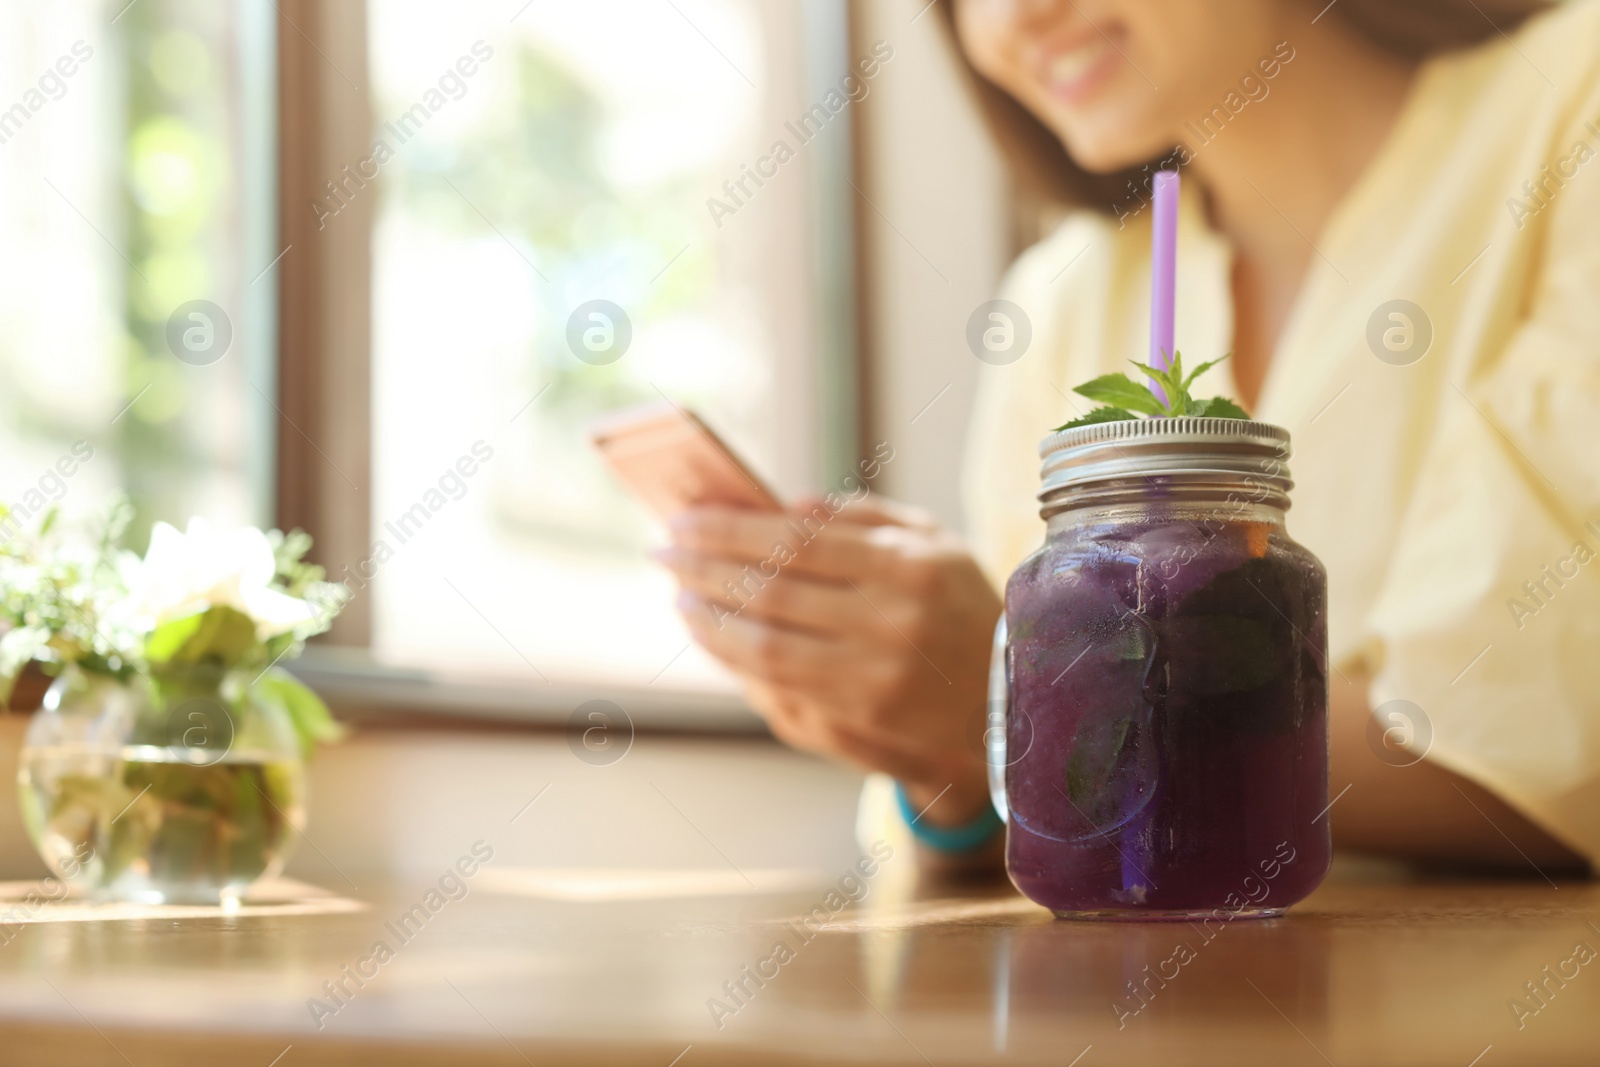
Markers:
(1392, 222)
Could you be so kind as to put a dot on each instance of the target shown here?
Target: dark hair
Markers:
(1409, 28)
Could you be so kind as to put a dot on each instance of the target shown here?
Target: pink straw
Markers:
(1163, 269)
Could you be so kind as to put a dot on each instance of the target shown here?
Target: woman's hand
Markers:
(861, 633)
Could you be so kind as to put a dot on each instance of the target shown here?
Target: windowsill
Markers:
(356, 685)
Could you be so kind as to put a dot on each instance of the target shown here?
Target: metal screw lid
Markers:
(1183, 449)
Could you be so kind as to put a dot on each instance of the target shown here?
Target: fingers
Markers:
(794, 719)
(832, 727)
(757, 648)
(873, 510)
(812, 543)
(732, 533)
(796, 600)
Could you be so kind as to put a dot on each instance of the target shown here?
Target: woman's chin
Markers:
(1112, 151)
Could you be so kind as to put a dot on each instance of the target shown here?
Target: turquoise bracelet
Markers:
(973, 835)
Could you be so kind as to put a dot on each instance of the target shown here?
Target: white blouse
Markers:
(1446, 461)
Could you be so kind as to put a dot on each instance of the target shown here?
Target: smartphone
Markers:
(670, 459)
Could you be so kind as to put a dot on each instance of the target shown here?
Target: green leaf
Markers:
(313, 722)
(1126, 395)
(220, 635)
(1119, 390)
(1171, 388)
(166, 640)
(1201, 369)
(1098, 415)
(292, 572)
(1214, 654)
(1220, 407)
(1094, 759)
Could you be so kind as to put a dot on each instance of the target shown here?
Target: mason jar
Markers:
(1159, 693)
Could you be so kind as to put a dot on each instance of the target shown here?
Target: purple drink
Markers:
(1167, 735)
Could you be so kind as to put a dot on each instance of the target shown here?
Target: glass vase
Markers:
(186, 787)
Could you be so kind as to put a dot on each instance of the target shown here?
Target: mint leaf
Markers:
(1095, 752)
(1201, 369)
(1126, 396)
(1214, 654)
(1119, 390)
(1170, 385)
(1220, 407)
(1098, 415)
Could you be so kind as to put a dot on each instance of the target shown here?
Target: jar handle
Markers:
(998, 711)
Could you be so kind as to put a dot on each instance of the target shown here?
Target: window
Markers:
(135, 191)
(211, 206)
(534, 162)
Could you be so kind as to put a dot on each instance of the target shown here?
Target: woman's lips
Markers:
(1070, 75)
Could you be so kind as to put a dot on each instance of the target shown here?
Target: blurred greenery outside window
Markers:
(141, 182)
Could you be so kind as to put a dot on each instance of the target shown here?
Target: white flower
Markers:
(186, 573)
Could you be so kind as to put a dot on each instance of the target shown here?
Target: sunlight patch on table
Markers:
(609, 884)
(20, 903)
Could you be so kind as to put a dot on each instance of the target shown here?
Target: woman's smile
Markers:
(1073, 69)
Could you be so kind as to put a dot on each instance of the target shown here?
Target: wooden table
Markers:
(1372, 970)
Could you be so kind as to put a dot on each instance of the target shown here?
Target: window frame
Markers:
(322, 472)
(323, 462)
